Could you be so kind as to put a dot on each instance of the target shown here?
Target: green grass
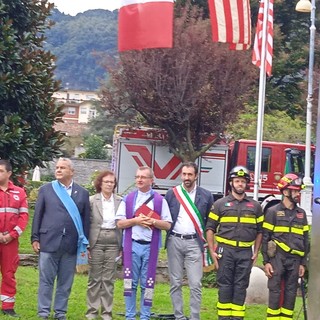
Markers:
(26, 299)
(26, 302)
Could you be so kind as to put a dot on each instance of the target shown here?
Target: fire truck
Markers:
(135, 147)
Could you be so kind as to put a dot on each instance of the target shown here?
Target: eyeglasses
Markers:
(108, 182)
(142, 177)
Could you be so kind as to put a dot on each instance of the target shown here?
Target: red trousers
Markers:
(9, 261)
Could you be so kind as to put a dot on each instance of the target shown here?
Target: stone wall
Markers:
(84, 168)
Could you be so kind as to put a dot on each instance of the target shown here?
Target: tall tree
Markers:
(28, 111)
(192, 90)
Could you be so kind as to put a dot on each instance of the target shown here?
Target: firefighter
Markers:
(284, 247)
(13, 220)
(235, 224)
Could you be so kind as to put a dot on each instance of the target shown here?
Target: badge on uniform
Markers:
(280, 214)
(228, 204)
(219, 252)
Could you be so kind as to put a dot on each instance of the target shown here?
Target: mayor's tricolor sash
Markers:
(82, 257)
(196, 218)
(154, 249)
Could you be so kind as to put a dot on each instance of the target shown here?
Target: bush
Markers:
(209, 279)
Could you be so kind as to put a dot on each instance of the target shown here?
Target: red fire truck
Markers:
(146, 147)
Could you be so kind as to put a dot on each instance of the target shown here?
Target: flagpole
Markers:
(261, 103)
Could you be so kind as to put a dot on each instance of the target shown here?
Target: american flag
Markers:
(257, 47)
(231, 22)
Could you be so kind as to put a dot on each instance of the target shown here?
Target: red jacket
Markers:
(13, 210)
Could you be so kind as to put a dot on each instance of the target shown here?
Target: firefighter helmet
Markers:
(290, 181)
(239, 172)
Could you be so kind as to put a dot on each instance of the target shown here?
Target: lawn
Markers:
(26, 300)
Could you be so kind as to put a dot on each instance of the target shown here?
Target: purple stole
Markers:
(154, 250)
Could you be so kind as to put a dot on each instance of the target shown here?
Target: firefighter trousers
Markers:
(9, 261)
(233, 280)
(283, 287)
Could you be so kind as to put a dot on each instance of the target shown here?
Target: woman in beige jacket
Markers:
(105, 241)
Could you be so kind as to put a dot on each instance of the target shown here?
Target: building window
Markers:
(71, 110)
(92, 113)
(265, 160)
(83, 110)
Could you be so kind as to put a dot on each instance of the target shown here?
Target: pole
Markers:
(261, 103)
(314, 261)
(306, 194)
(303, 293)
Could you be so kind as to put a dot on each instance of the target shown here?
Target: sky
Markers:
(73, 7)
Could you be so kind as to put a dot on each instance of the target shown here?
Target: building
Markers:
(79, 108)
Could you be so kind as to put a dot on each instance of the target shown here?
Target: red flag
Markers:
(231, 22)
(145, 24)
(257, 47)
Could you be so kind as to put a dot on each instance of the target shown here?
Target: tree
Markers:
(278, 126)
(192, 90)
(28, 111)
(94, 146)
(102, 125)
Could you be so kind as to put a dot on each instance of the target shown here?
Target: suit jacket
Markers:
(203, 201)
(96, 218)
(52, 225)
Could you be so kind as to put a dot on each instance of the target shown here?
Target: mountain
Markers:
(77, 41)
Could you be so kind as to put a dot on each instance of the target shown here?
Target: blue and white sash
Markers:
(82, 257)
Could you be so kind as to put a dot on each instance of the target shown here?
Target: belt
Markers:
(141, 241)
(184, 236)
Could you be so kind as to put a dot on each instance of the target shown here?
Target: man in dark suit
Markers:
(189, 206)
(55, 237)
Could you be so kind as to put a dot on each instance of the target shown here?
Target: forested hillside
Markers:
(75, 40)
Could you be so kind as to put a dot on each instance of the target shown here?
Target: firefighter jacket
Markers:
(289, 229)
(235, 223)
(13, 210)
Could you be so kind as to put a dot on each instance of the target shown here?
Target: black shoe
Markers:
(10, 313)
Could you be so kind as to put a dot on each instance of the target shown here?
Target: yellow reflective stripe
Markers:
(236, 219)
(248, 220)
(286, 311)
(234, 243)
(221, 305)
(260, 219)
(286, 318)
(224, 313)
(237, 307)
(238, 311)
(224, 309)
(306, 228)
(228, 219)
(288, 229)
(286, 248)
(213, 216)
(273, 312)
(297, 231)
(281, 229)
(268, 226)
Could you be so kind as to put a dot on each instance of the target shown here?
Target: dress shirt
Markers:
(184, 224)
(68, 189)
(108, 213)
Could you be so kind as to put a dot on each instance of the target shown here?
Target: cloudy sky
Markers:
(73, 7)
